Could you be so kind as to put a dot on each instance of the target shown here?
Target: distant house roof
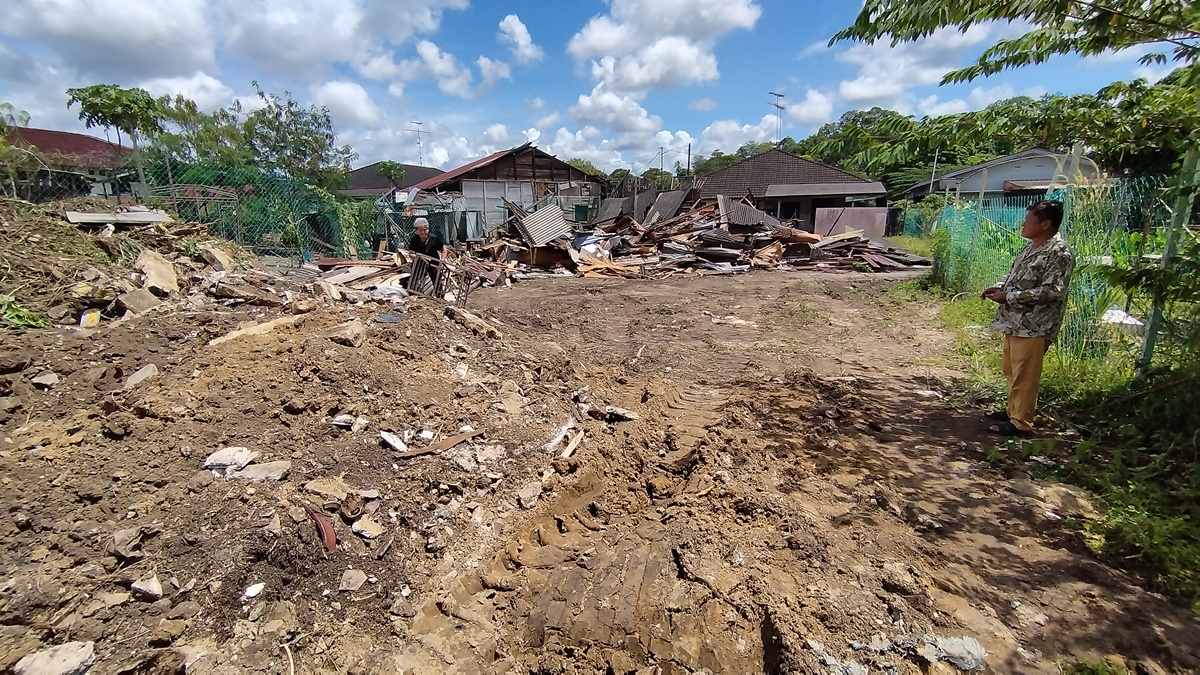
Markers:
(525, 162)
(966, 172)
(775, 168)
(365, 181)
(69, 149)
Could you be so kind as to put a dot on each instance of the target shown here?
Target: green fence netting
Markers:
(977, 240)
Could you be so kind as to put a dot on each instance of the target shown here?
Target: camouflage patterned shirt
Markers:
(1037, 291)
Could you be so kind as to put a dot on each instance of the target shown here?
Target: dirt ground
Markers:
(768, 480)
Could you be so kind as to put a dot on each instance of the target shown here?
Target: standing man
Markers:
(427, 244)
(1032, 300)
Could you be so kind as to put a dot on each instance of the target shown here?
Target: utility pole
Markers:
(689, 171)
(662, 153)
(420, 151)
(778, 105)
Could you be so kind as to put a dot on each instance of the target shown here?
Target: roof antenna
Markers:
(779, 107)
(420, 152)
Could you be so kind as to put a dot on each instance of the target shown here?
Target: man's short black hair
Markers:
(1048, 209)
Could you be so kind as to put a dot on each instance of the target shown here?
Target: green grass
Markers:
(14, 315)
(779, 345)
(794, 312)
(922, 246)
(1138, 452)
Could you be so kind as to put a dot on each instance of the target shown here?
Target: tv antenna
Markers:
(779, 108)
(420, 152)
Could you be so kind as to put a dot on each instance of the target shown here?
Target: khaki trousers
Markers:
(1023, 370)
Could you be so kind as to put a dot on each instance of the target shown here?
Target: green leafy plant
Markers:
(16, 316)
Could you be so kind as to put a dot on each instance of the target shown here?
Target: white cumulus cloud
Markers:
(490, 71)
(514, 34)
(705, 104)
(208, 92)
(815, 108)
(349, 104)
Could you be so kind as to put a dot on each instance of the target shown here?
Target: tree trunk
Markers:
(137, 162)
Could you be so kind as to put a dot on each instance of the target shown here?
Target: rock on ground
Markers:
(72, 658)
(141, 376)
(268, 471)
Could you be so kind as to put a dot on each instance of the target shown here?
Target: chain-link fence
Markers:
(975, 242)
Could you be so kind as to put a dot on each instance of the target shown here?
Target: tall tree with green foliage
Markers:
(297, 141)
(133, 111)
(14, 159)
(588, 167)
(11, 117)
(1058, 27)
(393, 172)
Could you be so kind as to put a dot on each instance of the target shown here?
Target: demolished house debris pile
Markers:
(724, 238)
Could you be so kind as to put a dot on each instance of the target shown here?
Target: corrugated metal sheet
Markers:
(666, 206)
(737, 213)
(543, 226)
(612, 208)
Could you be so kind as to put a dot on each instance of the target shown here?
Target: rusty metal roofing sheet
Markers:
(544, 225)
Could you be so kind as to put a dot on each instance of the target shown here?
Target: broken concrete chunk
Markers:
(275, 527)
(167, 632)
(332, 489)
(220, 260)
(148, 588)
(260, 329)
(303, 306)
(620, 414)
(257, 472)
(473, 323)
(247, 294)
(367, 528)
(72, 658)
(230, 458)
(352, 580)
(145, 373)
(527, 496)
(394, 441)
(253, 591)
(351, 333)
(200, 480)
(160, 274)
(324, 289)
(354, 424)
(138, 301)
(46, 380)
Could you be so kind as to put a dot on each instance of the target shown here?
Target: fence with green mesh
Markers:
(977, 240)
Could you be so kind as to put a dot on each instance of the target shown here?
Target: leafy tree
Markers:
(297, 141)
(193, 136)
(718, 160)
(392, 171)
(587, 167)
(1085, 28)
(133, 111)
(657, 178)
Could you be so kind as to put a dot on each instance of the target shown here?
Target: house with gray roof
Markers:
(789, 187)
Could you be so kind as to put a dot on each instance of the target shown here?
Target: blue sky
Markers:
(612, 81)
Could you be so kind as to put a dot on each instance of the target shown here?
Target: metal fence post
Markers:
(1188, 177)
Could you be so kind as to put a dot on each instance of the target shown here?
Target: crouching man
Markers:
(1032, 300)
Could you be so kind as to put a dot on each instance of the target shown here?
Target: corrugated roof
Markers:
(773, 167)
(68, 148)
(544, 225)
(612, 208)
(825, 189)
(431, 183)
(665, 206)
(366, 180)
(975, 168)
(736, 213)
